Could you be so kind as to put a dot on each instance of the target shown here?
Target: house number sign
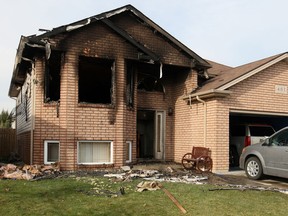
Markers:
(281, 89)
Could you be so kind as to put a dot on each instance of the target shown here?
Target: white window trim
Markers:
(130, 151)
(95, 141)
(46, 150)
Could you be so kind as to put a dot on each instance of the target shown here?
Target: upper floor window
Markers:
(95, 80)
(52, 77)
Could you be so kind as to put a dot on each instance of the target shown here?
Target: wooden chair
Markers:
(198, 160)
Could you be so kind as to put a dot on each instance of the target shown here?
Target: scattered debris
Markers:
(106, 193)
(27, 172)
(247, 187)
(168, 175)
(174, 200)
(151, 186)
(126, 168)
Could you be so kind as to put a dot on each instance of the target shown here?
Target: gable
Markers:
(113, 20)
(220, 84)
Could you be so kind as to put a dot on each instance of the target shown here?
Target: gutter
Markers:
(207, 94)
(33, 81)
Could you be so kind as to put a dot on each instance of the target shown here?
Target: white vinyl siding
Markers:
(95, 152)
(24, 107)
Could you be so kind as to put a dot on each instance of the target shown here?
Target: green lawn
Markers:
(84, 196)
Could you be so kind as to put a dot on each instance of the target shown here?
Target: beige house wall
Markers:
(255, 94)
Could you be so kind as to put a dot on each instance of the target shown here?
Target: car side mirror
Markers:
(265, 141)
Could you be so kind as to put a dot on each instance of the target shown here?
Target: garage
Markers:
(254, 94)
(246, 128)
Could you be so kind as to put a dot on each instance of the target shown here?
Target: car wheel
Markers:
(253, 168)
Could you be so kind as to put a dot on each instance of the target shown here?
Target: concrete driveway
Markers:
(267, 181)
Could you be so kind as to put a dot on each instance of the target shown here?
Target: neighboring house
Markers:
(116, 88)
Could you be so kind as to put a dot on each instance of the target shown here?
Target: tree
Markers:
(6, 118)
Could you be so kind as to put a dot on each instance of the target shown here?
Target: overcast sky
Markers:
(231, 32)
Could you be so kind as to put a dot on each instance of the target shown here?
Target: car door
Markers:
(276, 154)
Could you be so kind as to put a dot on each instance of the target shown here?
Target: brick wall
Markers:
(91, 121)
(256, 93)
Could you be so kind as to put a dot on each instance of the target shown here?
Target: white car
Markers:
(242, 135)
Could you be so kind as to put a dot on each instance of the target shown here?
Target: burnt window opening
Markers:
(149, 78)
(52, 77)
(150, 84)
(202, 77)
(95, 80)
(130, 79)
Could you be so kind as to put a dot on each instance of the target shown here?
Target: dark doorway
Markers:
(145, 134)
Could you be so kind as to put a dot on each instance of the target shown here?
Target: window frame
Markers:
(129, 142)
(96, 63)
(95, 141)
(46, 151)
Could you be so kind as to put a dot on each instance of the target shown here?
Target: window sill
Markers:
(107, 106)
(92, 164)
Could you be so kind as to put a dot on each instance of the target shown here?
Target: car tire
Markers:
(253, 168)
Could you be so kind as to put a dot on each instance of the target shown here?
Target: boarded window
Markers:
(94, 152)
(52, 77)
(95, 80)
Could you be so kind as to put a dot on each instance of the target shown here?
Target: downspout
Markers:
(33, 83)
(205, 118)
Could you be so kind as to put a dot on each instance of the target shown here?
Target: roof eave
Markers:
(207, 94)
(200, 62)
(252, 72)
(13, 92)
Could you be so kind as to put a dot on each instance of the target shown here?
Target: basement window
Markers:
(96, 80)
(51, 151)
(52, 77)
(95, 152)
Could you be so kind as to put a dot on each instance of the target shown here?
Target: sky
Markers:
(230, 32)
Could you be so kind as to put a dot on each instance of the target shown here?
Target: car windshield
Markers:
(280, 139)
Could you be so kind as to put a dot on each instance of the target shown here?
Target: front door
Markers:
(150, 134)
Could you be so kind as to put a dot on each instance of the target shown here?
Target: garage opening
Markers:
(251, 128)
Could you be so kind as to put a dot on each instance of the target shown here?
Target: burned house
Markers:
(116, 88)
(101, 91)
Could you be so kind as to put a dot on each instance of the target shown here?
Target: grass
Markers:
(83, 196)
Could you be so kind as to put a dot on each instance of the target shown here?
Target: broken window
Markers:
(149, 77)
(51, 151)
(52, 77)
(94, 152)
(95, 80)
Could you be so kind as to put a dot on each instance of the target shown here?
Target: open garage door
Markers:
(248, 128)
